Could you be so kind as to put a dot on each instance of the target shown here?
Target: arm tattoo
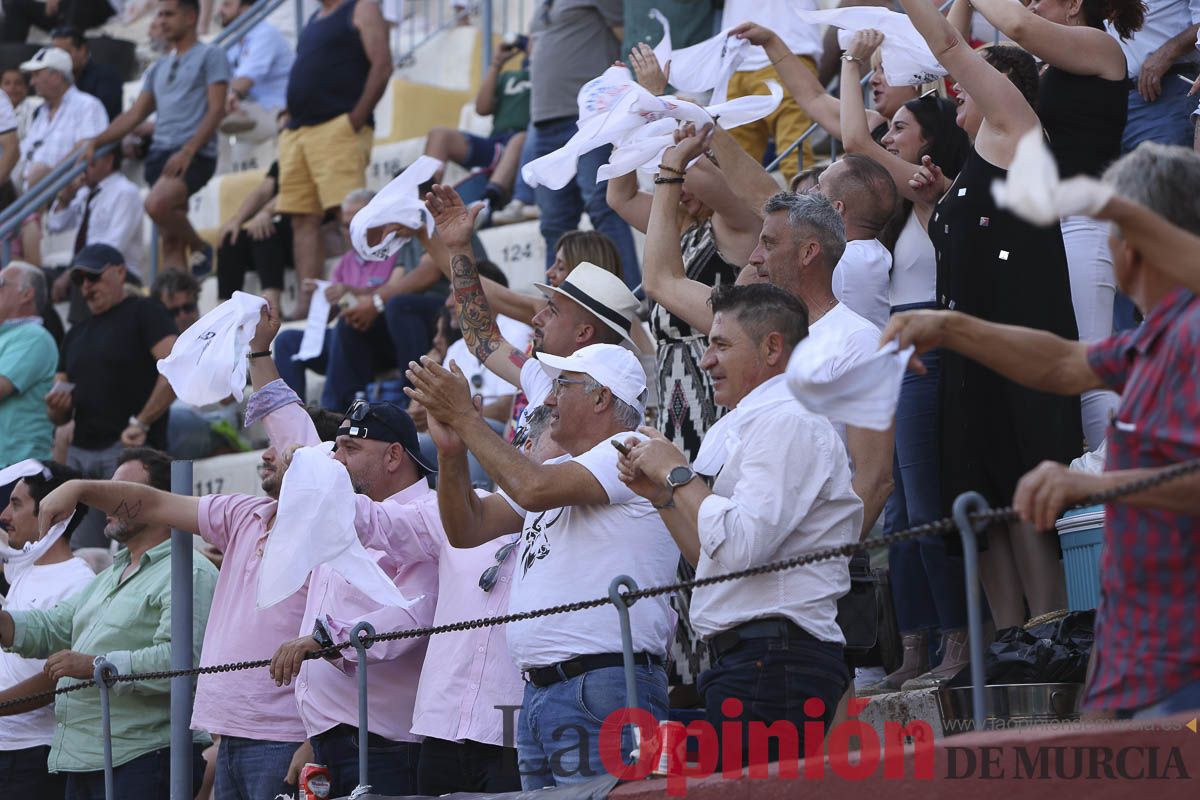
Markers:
(475, 316)
(126, 511)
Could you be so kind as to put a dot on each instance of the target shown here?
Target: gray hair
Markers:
(358, 197)
(1164, 179)
(813, 216)
(626, 415)
(32, 278)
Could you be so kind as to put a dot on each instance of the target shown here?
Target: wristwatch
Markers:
(321, 634)
(137, 423)
(378, 302)
(677, 477)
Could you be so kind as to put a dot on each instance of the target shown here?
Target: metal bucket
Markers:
(1011, 705)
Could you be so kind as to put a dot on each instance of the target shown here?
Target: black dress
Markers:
(996, 267)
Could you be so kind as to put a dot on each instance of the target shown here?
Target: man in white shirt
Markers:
(786, 123)
(259, 64)
(66, 118)
(864, 194)
(1157, 56)
(10, 144)
(28, 729)
(774, 638)
(104, 207)
(580, 528)
(802, 240)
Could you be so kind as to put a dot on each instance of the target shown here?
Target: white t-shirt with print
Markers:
(573, 553)
(37, 588)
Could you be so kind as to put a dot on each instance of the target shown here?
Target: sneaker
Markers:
(531, 211)
(484, 218)
(513, 212)
(200, 262)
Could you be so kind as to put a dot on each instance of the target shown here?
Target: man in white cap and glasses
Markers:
(591, 306)
(68, 116)
(580, 528)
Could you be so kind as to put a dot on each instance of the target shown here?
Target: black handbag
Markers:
(868, 618)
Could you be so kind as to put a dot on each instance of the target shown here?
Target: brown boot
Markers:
(916, 661)
(956, 654)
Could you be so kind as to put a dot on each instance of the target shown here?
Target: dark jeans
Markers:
(147, 777)
(562, 208)
(267, 257)
(249, 769)
(20, 15)
(927, 584)
(23, 774)
(773, 678)
(401, 335)
(287, 344)
(391, 766)
(468, 766)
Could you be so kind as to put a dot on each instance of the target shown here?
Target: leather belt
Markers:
(565, 670)
(769, 628)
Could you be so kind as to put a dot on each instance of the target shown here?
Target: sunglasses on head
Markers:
(357, 414)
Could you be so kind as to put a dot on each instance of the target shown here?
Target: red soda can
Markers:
(314, 782)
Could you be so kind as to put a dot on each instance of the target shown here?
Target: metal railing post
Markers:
(152, 270)
(485, 25)
(182, 643)
(622, 604)
(356, 635)
(298, 5)
(103, 672)
(965, 505)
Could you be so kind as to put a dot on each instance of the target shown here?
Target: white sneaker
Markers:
(513, 212)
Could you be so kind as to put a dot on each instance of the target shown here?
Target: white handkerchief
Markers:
(703, 66)
(32, 551)
(399, 202)
(907, 59)
(315, 525)
(313, 341)
(208, 361)
(555, 170)
(22, 469)
(863, 396)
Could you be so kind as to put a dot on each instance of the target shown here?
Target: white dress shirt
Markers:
(760, 513)
(263, 56)
(51, 136)
(116, 218)
(862, 280)
(1165, 19)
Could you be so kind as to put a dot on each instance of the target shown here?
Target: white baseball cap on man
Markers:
(610, 365)
(602, 293)
(54, 58)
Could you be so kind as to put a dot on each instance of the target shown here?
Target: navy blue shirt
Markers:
(330, 70)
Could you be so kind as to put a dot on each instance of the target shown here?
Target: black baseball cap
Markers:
(385, 422)
(95, 257)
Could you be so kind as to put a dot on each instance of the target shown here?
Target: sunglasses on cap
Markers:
(357, 414)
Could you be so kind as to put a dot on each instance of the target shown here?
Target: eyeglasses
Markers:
(487, 581)
(79, 277)
(185, 308)
(173, 70)
(559, 383)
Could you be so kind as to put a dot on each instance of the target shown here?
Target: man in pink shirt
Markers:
(259, 725)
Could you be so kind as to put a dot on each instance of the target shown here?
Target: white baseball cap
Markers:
(610, 365)
(600, 292)
(54, 58)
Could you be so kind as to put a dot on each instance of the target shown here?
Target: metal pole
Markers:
(622, 604)
(153, 271)
(965, 505)
(356, 635)
(299, 7)
(181, 644)
(485, 29)
(103, 672)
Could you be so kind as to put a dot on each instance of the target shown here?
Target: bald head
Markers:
(863, 192)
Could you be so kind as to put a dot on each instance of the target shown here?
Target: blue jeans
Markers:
(391, 766)
(1167, 120)
(23, 773)
(147, 777)
(928, 586)
(773, 678)
(401, 335)
(250, 769)
(558, 732)
(521, 190)
(287, 344)
(562, 208)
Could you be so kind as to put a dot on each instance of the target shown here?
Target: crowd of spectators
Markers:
(513, 450)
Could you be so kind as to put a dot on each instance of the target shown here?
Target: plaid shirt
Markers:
(1148, 623)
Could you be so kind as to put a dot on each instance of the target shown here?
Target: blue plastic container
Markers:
(1081, 534)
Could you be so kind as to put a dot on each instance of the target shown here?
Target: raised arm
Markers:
(455, 222)
(1078, 49)
(503, 300)
(131, 502)
(1006, 114)
(1170, 248)
(630, 204)
(746, 176)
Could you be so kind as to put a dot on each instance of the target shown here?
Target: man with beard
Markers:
(124, 614)
(257, 721)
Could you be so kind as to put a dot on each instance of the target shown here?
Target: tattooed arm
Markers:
(455, 222)
(131, 502)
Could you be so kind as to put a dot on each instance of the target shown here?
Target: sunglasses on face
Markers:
(185, 308)
(79, 277)
(487, 581)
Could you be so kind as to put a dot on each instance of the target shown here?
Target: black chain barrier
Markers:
(940, 527)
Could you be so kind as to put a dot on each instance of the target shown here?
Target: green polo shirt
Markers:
(130, 623)
(28, 358)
